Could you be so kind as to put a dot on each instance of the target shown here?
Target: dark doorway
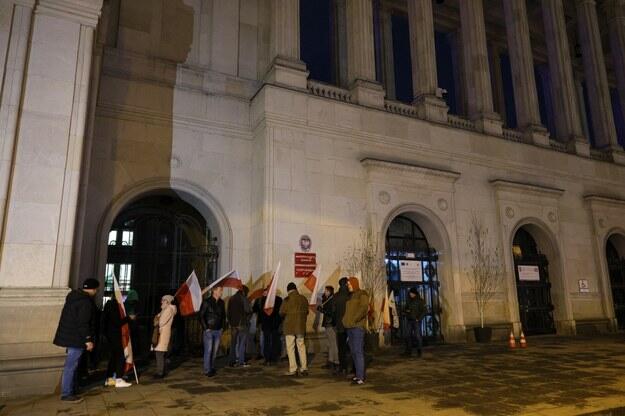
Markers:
(531, 269)
(153, 246)
(616, 269)
(408, 250)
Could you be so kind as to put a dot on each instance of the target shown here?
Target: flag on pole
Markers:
(258, 287)
(230, 279)
(271, 293)
(386, 312)
(313, 283)
(393, 306)
(189, 296)
(126, 343)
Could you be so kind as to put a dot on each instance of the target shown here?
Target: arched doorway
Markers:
(615, 255)
(412, 262)
(154, 243)
(531, 268)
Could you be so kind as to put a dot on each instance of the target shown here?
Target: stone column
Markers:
(285, 68)
(615, 12)
(568, 123)
(40, 212)
(477, 74)
(523, 80)
(596, 75)
(361, 55)
(427, 97)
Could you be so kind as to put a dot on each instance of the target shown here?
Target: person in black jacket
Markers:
(328, 309)
(76, 332)
(270, 325)
(213, 320)
(413, 312)
(239, 315)
(112, 323)
(340, 299)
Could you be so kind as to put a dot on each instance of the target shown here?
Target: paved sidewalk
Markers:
(554, 376)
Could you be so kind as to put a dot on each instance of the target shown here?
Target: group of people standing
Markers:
(345, 315)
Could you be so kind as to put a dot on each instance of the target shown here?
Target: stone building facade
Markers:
(208, 102)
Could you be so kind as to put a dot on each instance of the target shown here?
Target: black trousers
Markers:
(341, 343)
(116, 358)
(272, 345)
(413, 333)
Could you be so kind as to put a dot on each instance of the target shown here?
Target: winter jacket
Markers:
(213, 314)
(77, 322)
(112, 321)
(239, 310)
(340, 300)
(328, 309)
(268, 322)
(414, 309)
(356, 310)
(294, 309)
(164, 320)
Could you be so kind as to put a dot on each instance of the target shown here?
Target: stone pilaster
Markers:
(286, 68)
(361, 55)
(615, 13)
(477, 73)
(568, 123)
(596, 75)
(427, 98)
(44, 177)
(522, 63)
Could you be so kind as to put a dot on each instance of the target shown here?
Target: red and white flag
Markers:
(126, 343)
(393, 307)
(230, 279)
(258, 287)
(386, 312)
(312, 283)
(271, 293)
(189, 296)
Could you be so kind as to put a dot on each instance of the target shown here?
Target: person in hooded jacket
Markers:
(340, 300)
(76, 332)
(355, 323)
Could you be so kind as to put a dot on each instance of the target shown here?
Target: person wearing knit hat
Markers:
(355, 322)
(76, 333)
(294, 311)
(413, 312)
(163, 321)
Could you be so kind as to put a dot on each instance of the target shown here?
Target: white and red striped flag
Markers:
(393, 307)
(230, 279)
(386, 312)
(312, 283)
(126, 343)
(271, 293)
(189, 296)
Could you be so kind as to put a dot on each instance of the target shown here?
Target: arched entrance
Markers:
(154, 243)
(531, 268)
(412, 262)
(615, 256)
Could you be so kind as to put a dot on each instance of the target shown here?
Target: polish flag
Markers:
(258, 287)
(386, 312)
(189, 296)
(393, 306)
(313, 283)
(126, 343)
(230, 279)
(271, 293)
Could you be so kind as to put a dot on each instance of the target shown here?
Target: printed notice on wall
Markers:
(583, 286)
(410, 271)
(529, 273)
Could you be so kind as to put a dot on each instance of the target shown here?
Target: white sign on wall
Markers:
(411, 271)
(583, 286)
(529, 273)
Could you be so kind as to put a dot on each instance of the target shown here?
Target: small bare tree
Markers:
(486, 270)
(365, 259)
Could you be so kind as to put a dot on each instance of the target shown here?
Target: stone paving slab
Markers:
(554, 376)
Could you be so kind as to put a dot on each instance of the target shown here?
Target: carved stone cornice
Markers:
(526, 188)
(86, 12)
(373, 165)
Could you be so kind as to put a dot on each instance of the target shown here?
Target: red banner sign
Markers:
(305, 264)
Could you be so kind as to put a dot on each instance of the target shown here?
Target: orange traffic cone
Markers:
(512, 341)
(522, 341)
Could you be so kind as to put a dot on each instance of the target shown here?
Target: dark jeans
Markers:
(356, 338)
(160, 363)
(341, 342)
(211, 345)
(68, 381)
(413, 332)
(272, 345)
(116, 358)
(238, 344)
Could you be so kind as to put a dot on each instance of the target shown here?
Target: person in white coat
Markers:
(164, 321)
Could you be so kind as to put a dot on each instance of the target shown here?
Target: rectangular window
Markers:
(588, 116)
(108, 277)
(619, 118)
(112, 237)
(508, 90)
(125, 273)
(445, 69)
(317, 39)
(401, 58)
(127, 237)
(545, 102)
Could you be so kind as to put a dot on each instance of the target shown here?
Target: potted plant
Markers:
(485, 273)
(365, 260)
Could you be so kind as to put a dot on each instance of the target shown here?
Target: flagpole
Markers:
(135, 370)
